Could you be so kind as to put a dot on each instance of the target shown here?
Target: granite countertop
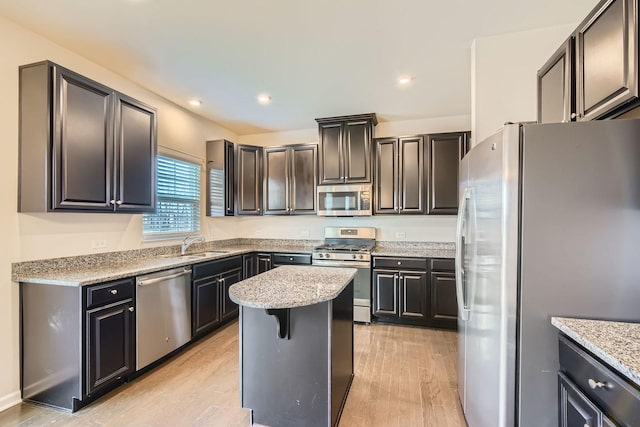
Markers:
(291, 286)
(415, 249)
(616, 343)
(73, 271)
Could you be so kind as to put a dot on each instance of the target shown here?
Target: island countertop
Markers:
(291, 286)
(616, 343)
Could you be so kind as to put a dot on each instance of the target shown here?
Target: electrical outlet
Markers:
(98, 243)
(401, 235)
(304, 233)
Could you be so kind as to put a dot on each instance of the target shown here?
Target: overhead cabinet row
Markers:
(594, 74)
(83, 146)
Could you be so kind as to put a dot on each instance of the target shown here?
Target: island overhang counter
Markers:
(296, 344)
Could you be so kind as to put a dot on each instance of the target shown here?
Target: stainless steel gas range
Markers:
(350, 247)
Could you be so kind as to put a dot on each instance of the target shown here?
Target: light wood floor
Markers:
(404, 377)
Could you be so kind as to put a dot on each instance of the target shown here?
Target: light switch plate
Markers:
(401, 235)
(98, 243)
(304, 233)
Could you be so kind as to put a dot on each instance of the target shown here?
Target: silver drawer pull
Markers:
(131, 309)
(399, 262)
(596, 384)
(113, 291)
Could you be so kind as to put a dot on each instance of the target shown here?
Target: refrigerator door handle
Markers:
(463, 309)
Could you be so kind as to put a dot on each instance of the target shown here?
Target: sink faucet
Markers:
(188, 241)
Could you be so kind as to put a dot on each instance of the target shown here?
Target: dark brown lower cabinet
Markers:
(264, 263)
(400, 295)
(249, 265)
(211, 305)
(418, 291)
(576, 410)
(110, 344)
(442, 283)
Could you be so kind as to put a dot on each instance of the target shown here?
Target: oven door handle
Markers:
(353, 264)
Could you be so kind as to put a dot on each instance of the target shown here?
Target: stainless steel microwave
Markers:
(344, 200)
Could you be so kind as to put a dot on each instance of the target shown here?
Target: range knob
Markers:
(320, 255)
(353, 256)
(360, 256)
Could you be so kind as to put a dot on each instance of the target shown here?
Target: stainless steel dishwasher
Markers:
(163, 313)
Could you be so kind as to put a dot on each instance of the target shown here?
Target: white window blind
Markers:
(178, 199)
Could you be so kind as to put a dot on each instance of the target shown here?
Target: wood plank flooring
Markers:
(404, 377)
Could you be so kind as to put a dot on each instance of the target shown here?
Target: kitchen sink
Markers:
(196, 255)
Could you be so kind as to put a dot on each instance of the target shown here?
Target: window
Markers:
(178, 200)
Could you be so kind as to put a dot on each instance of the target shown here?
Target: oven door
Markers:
(361, 286)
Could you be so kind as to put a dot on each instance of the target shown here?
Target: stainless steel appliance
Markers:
(163, 320)
(350, 247)
(344, 200)
(548, 225)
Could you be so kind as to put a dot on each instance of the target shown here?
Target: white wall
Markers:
(503, 82)
(390, 227)
(35, 236)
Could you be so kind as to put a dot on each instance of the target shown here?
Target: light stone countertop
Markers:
(291, 286)
(616, 343)
(415, 249)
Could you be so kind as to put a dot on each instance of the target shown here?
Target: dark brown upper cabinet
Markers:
(556, 95)
(249, 179)
(399, 175)
(220, 178)
(444, 152)
(607, 60)
(290, 179)
(345, 148)
(83, 146)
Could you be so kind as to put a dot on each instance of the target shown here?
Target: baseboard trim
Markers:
(9, 400)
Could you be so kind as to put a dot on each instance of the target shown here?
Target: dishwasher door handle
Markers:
(162, 278)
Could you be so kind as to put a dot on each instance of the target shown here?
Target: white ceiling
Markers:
(315, 58)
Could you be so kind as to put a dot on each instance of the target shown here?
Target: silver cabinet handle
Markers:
(290, 259)
(596, 384)
(118, 202)
(399, 262)
(131, 309)
(112, 201)
(574, 115)
(113, 291)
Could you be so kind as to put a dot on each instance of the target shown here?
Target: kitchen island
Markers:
(296, 344)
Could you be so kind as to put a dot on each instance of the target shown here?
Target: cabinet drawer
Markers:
(211, 268)
(284, 259)
(400, 263)
(108, 293)
(617, 398)
(443, 264)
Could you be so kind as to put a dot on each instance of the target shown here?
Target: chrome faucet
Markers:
(188, 241)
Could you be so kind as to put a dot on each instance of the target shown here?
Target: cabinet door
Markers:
(264, 263)
(575, 409)
(413, 295)
(110, 344)
(82, 158)
(386, 176)
(444, 306)
(411, 175)
(229, 179)
(249, 180)
(556, 98)
(229, 308)
(249, 265)
(444, 153)
(357, 151)
(303, 178)
(331, 160)
(206, 304)
(276, 181)
(135, 156)
(607, 55)
(385, 293)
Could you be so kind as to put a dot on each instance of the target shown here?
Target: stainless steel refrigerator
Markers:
(548, 225)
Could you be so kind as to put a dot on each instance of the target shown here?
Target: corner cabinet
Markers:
(399, 179)
(290, 179)
(83, 146)
(249, 180)
(444, 152)
(345, 148)
(556, 95)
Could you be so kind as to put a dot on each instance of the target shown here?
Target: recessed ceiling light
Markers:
(405, 80)
(264, 99)
(195, 102)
